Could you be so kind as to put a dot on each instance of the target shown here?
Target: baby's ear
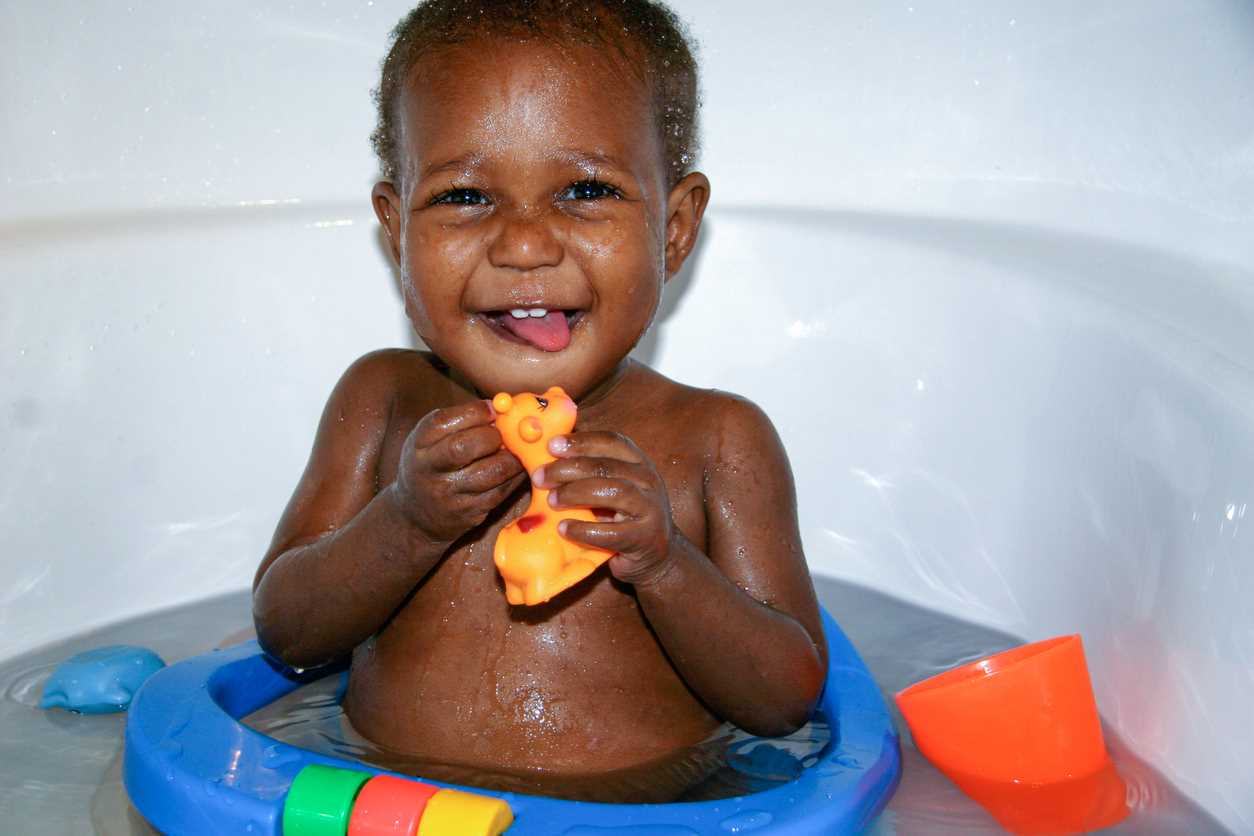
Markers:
(685, 207)
(502, 403)
(387, 208)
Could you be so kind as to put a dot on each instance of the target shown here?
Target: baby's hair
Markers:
(641, 31)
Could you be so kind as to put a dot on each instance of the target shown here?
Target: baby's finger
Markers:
(596, 444)
(453, 452)
(439, 423)
(563, 471)
(618, 495)
(487, 473)
(600, 534)
(493, 497)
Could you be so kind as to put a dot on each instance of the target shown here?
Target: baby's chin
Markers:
(534, 371)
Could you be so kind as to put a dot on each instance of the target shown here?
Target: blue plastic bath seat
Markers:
(191, 768)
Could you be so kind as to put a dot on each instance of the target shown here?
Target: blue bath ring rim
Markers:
(191, 768)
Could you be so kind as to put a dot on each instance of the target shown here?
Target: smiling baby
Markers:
(538, 195)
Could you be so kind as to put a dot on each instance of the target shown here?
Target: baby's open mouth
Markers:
(542, 328)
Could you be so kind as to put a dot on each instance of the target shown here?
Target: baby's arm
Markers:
(348, 551)
(741, 625)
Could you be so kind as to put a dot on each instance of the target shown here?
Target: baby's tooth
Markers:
(518, 313)
(538, 312)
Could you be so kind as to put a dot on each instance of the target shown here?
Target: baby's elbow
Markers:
(795, 706)
(287, 646)
(785, 719)
(291, 653)
(798, 711)
(273, 642)
(810, 671)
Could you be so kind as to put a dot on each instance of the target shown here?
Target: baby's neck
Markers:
(596, 397)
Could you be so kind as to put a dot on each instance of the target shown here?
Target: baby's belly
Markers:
(577, 686)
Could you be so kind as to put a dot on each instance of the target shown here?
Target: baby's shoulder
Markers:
(388, 384)
(386, 373)
(724, 424)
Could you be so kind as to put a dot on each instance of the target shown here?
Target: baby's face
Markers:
(533, 226)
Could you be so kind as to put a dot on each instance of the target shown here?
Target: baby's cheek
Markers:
(444, 259)
(603, 242)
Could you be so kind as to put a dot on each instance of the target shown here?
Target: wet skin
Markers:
(536, 180)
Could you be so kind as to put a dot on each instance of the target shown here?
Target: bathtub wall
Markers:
(988, 265)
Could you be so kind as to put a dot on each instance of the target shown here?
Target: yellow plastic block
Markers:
(456, 813)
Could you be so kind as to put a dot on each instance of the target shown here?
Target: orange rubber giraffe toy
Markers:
(534, 560)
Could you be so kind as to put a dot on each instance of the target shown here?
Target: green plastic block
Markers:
(320, 801)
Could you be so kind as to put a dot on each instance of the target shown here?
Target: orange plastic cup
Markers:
(1019, 733)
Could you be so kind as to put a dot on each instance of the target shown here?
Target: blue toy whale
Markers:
(100, 681)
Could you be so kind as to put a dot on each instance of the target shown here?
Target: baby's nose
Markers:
(525, 241)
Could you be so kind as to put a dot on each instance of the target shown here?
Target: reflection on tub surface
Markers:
(66, 781)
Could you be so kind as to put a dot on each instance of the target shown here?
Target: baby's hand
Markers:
(453, 471)
(607, 472)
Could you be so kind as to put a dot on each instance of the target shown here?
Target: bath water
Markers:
(730, 762)
(60, 774)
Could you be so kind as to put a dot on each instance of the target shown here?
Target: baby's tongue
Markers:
(547, 333)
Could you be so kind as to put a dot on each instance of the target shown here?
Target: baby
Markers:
(539, 195)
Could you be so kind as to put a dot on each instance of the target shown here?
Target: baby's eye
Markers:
(461, 197)
(589, 190)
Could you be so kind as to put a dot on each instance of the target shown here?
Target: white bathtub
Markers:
(988, 265)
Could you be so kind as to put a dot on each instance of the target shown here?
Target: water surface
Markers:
(59, 772)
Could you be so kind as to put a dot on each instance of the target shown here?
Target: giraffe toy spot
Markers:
(529, 522)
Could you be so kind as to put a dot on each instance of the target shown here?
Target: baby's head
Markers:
(538, 190)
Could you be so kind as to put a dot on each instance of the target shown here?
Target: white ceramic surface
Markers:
(988, 265)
